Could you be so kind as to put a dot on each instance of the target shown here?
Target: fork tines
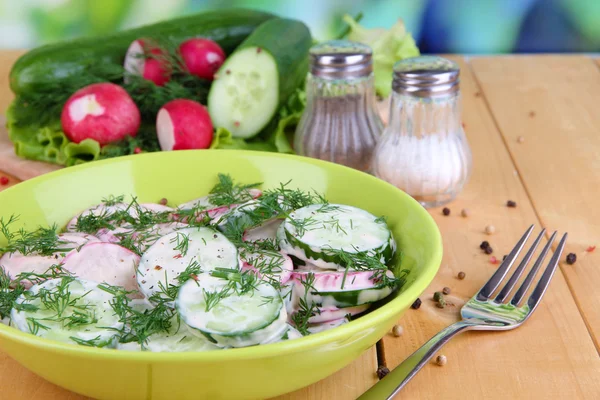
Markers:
(490, 287)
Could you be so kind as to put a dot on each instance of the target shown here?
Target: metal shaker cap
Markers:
(426, 76)
(341, 59)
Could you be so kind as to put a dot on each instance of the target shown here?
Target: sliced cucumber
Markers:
(238, 318)
(340, 289)
(87, 318)
(259, 76)
(172, 254)
(178, 339)
(317, 233)
(245, 96)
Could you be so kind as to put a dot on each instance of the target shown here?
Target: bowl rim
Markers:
(341, 333)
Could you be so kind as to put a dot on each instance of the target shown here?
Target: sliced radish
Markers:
(184, 124)
(340, 288)
(147, 61)
(16, 263)
(113, 235)
(103, 112)
(104, 262)
(202, 57)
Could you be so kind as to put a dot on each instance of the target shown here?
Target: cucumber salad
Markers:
(239, 267)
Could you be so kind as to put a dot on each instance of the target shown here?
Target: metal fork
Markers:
(482, 312)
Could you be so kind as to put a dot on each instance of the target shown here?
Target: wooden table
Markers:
(553, 173)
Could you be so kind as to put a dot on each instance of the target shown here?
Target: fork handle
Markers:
(391, 384)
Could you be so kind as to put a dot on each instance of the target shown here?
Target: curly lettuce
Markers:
(389, 46)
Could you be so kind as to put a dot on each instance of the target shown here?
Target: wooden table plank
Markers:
(7, 59)
(552, 101)
(552, 355)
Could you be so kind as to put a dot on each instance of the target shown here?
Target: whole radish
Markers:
(148, 61)
(101, 111)
(183, 124)
(202, 57)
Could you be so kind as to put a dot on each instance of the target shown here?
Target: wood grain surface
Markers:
(553, 176)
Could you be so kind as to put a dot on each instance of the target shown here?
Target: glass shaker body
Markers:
(341, 123)
(424, 150)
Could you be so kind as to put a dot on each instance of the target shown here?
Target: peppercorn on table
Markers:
(532, 124)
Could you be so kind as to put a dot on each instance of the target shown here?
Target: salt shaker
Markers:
(423, 150)
(341, 122)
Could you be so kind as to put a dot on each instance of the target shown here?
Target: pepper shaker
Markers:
(423, 150)
(341, 123)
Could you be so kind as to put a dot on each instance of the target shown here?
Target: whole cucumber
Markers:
(45, 67)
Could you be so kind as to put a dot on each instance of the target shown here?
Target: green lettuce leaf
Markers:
(389, 46)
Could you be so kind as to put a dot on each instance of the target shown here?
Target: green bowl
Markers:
(253, 372)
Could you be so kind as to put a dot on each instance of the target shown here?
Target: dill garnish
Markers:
(42, 241)
(226, 193)
(306, 309)
(182, 243)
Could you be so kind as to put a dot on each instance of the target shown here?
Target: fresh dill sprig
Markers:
(182, 243)
(238, 282)
(138, 325)
(113, 200)
(95, 342)
(227, 193)
(42, 241)
(363, 261)
(12, 289)
(306, 308)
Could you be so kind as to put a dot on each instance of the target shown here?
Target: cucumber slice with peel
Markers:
(68, 310)
(238, 319)
(317, 233)
(245, 96)
(172, 254)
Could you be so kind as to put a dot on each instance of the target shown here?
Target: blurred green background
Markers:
(465, 26)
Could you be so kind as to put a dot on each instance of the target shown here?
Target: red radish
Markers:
(147, 61)
(104, 262)
(183, 124)
(102, 111)
(202, 57)
(16, 263)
